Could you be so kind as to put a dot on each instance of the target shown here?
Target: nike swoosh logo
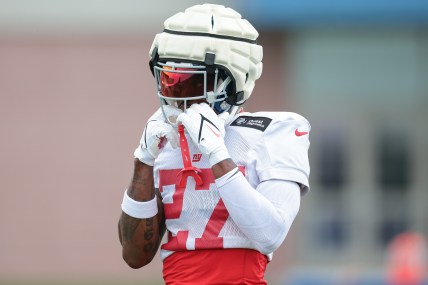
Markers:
(299, 134)
(215, 133)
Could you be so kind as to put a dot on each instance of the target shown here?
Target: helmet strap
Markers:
(209, 62)
(237, 97)
(154, 59)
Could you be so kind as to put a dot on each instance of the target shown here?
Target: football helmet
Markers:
(207, 53)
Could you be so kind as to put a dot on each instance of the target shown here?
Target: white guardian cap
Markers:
(206, 53)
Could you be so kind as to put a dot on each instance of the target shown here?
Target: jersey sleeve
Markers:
(282, 153)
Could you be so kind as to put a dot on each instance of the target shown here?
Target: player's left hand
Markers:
(156, 134)
(206, 129)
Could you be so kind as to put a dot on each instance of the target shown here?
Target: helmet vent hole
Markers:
(212, 22)
(246, 77)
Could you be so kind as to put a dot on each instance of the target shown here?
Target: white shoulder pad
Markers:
(282, 151)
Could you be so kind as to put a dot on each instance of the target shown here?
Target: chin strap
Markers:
(188, 169)
(212, 96)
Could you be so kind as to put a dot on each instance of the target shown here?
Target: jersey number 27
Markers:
(210, 237)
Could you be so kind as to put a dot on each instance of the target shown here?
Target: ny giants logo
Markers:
(197, 157)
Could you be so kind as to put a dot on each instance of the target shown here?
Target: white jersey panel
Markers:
(264, 145)
(282, 150)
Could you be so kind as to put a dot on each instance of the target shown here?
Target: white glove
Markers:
(206, 129)
(156, 134)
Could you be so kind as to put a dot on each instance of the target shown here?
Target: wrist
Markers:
(143, 155)
(227, 177)
(137, 209)
(223, 167)
(218, 155)
(141, 187)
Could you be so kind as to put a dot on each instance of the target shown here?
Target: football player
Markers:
(223, 183)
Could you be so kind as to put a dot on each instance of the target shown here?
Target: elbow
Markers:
(270, 246)
(133, 264)
(272, 242)
(136, 261)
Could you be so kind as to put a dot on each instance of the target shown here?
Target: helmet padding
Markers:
(215, 36)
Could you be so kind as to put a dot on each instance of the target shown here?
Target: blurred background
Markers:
(76, 91)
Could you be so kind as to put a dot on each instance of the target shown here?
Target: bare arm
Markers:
(223, 167)
(140, 238)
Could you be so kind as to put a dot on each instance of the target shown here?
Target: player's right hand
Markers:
(156, 134)
(207, 131)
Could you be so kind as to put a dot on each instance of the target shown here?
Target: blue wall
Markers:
(277, 14)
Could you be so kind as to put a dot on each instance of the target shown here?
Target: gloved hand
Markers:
(156, 134)
(206, 129)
